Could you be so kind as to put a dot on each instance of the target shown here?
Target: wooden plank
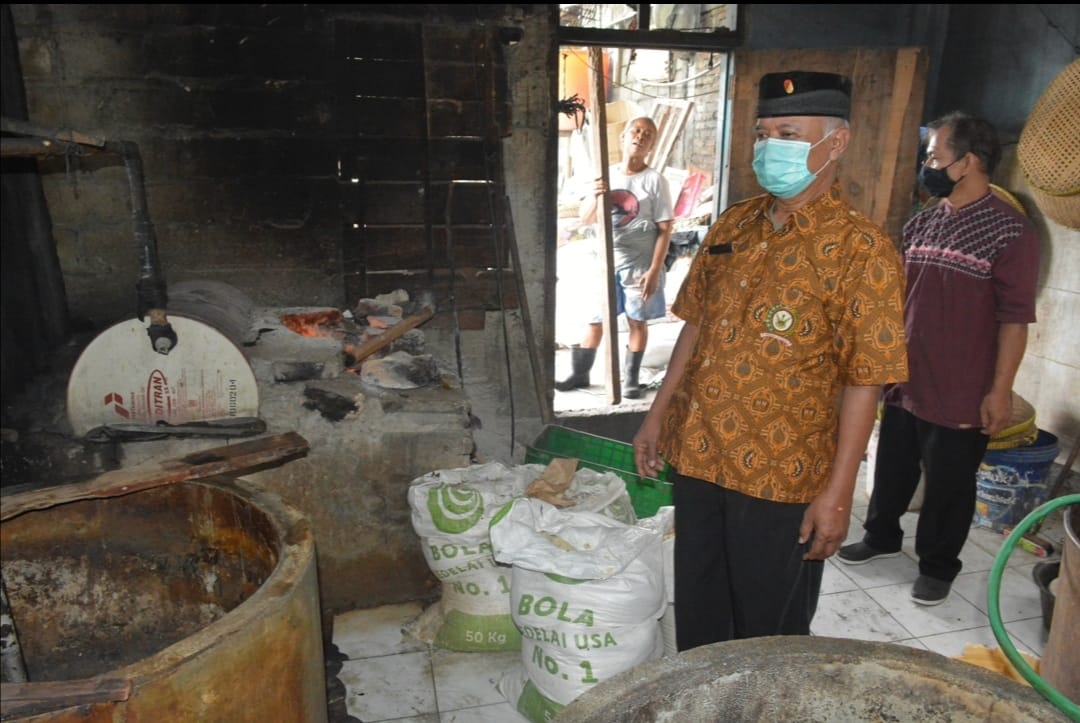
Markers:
(33, 698)
(373, 345)
(229, 459)
(904, 78)
(671, 115)
(20, 127)
(603, 223)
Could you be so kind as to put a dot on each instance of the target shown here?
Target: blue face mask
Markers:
(780, 165)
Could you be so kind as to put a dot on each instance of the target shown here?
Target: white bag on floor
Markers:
(451, 510)
(586, 594)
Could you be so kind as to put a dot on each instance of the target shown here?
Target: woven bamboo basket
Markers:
(1021, 430)
(1049, 148)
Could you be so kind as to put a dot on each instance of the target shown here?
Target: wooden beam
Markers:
(230, 459)
(26, 699)
(904, 78)
(24, 128)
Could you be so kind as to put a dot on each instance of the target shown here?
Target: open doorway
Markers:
(683, 91)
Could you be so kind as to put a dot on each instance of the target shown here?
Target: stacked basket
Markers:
(1049, 148)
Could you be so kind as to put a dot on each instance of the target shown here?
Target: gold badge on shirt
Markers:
(780, 320)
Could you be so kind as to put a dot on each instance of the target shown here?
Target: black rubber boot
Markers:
(631, 367)
(581, 360)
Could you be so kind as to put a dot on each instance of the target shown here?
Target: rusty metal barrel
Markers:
(191, 602)
(788, 678)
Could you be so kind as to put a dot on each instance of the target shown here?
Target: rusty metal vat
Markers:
(809, 679)
(202, 595)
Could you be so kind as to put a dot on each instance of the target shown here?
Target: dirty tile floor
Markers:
(387, 676)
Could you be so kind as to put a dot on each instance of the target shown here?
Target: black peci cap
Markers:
(801, 92)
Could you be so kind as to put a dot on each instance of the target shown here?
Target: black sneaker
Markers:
(858, 553)
(930, 590)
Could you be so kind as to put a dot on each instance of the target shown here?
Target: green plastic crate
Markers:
(647, 494)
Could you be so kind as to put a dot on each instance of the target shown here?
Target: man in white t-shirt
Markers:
(641, 224)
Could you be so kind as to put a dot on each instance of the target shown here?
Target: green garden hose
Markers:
(993, 590)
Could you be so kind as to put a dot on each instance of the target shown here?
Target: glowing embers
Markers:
(325, 322)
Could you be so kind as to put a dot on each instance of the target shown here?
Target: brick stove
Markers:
(373, 424)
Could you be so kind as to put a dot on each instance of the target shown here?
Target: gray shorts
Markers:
(628, 297)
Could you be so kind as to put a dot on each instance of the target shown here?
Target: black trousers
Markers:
(909, 447)
(739, 571)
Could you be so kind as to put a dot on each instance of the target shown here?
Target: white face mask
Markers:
(780, 165)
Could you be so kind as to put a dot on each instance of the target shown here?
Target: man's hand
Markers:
(825, 523)
(646, 458)
(648, 283)
(995, 412)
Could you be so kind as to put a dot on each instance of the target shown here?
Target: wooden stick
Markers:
(14, 125)
(373, 345)
(229, 459)
(30, 698)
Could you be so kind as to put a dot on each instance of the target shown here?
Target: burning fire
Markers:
(316, 323)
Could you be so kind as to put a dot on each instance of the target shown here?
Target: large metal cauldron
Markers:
(799, 678)
(203, 595)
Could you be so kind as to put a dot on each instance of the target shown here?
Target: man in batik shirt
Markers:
(793, 311)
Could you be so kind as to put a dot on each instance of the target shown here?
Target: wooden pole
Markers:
(598, 104)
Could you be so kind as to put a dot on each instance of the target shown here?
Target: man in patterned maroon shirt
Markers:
(971, 262)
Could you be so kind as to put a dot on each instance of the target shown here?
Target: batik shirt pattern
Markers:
(787, 317)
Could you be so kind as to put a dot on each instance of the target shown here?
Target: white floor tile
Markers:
(467, 680)
(1018, 597)
(952, 644)
(909, 523)
(857, 616)
(976, 559)
(388, 687)
(858, 516)
(886, 571)
(986, 538)
(376, 631)
(953, 615)
(833, 579)
(1028, 634)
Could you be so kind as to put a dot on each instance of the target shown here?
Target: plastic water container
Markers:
(1010, 483)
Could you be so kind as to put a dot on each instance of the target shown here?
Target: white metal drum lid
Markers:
(119, 378)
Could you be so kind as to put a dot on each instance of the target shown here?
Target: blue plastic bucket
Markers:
(1011, 483)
